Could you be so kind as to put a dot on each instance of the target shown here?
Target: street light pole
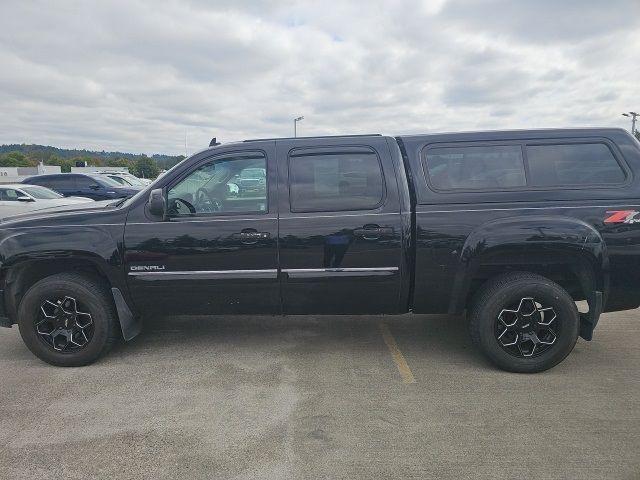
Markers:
(633, 116)
(295, 125)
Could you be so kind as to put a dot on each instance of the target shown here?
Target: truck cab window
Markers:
(225, 185)
(335, 181)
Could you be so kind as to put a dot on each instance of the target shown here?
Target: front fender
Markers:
(94, 243)
(49, 249)
(530, 240)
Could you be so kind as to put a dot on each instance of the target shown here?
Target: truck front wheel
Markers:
(524, 322)
(68, 320)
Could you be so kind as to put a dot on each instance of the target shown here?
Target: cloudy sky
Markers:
(137, 75)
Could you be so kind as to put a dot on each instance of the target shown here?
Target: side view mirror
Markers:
(94, 187)
(24, 198)
(157, 204)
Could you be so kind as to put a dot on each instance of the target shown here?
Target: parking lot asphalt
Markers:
(321, 397)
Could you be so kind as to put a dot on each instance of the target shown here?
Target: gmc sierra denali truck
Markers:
(513, 227)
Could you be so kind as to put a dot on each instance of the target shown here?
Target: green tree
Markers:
(93, 161)
(146, 167)
(15, 159)
(64, 163)
(177, 160)
(120, 162)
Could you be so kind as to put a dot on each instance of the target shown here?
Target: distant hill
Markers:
(45, 152)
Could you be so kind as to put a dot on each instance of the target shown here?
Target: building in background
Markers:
(17, 174)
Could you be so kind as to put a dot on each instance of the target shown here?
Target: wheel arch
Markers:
(25, 272)
(566, 250)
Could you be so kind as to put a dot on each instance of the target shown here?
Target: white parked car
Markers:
(126, 179)
(20, 198)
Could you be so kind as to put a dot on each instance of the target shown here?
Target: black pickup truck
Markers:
(513, 227)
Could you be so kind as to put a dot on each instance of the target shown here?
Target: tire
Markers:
(502, 313)
(59, 304)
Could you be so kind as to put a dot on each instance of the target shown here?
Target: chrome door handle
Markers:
(251, 236)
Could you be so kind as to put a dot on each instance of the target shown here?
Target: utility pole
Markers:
(633, 116)
(295, 125)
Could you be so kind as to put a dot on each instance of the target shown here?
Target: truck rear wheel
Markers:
(68, 320)
(524, 322)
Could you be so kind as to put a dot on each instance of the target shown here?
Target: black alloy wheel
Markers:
(63, 325)
(69, 319)
(523, 322)
(527, 329)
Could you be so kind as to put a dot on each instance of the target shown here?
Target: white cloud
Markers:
(137, 75)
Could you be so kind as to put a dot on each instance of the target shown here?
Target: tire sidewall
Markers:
(48, 289)
(549, 295)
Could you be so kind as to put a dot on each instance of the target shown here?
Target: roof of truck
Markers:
(478, 135)
(318, 136)
(555, 132)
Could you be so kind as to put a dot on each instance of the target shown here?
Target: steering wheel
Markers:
(173, 210)
(205, 202)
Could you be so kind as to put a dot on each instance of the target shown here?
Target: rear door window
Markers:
(476, 167)
(573, 164)
(335, 180)
(55, 183)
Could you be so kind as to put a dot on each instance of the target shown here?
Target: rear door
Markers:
(9, 203)
(340, 230)
(63, 184)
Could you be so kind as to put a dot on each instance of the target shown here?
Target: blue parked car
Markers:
(97, 187)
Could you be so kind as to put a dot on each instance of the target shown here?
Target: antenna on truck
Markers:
(213, 142)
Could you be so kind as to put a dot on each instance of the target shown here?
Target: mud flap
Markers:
(129, 324)
(5, 321)
(589, 320)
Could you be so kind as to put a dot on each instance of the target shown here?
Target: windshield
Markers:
(41, 193)
(121, 181)
(130, 179)
(134, 180)
(110, 182)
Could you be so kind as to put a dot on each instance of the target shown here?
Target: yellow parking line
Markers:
(401, 363)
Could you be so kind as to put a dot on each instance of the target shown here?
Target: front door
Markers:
(216, 252)
(340, 226)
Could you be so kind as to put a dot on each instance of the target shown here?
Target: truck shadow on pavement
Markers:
(421, 338)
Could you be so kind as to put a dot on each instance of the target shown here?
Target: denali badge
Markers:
(622, 216)
(146, 268)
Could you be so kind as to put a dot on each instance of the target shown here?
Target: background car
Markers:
(96, 187)
(126, 179)
(251, 180)
(19, 198)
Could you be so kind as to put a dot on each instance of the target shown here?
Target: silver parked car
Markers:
(20, 198)
(126, 179)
